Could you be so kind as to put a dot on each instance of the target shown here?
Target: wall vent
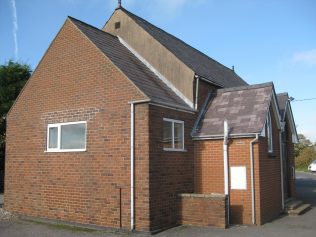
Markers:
(117, 25)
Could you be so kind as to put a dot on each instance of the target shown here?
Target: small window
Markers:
(269, 133)
(65, 137)
(173, 135)
(117, 25)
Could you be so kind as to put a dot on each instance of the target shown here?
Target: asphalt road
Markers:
(301, 226)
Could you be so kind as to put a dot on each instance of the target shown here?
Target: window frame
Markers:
(269, 133)
(173, 121)
(58, 126)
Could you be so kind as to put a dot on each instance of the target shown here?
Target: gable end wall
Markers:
(75, 82)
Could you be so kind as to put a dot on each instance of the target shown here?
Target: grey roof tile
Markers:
(131, 66)
(200, 63)
(245, 108)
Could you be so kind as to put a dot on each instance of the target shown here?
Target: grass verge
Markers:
(302, 168)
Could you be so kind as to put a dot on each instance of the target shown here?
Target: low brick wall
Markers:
(203, 210)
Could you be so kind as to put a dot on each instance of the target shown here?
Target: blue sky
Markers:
(266, 40)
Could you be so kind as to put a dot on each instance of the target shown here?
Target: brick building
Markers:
(124, 127)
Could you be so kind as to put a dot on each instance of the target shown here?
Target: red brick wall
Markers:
(209, 173)
(74, 81)
(289, 155)
(270, 176)
(208, 157)
(203, 210)
(171, 172)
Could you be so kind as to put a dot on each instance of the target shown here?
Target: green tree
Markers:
(303, 143)
(305, 158)
(13, 77)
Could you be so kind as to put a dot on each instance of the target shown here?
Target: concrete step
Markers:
(288, 200)
(299, 210)
(293, 205)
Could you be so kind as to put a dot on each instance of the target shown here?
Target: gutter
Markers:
(172, 106)
(211, 82)
(220, 136)
(133, 103)
(253, 206)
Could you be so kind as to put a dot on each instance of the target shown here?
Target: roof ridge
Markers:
(249, 87)
(205, 55)
(91, 26)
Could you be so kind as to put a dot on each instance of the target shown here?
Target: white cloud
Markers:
(15, 29)
(309, 134)
(307, 57)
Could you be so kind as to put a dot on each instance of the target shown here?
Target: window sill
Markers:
(177, 150)
(61, 151)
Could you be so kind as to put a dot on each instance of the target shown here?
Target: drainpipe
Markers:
(196, 91)
(281, 166)
(226, 168)
(132, 166)
(253, 206)
(133, 103)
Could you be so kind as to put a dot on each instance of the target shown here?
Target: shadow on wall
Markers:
(1, 181)
(236, 214)
(2, 155)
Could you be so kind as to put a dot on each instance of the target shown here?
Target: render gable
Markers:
(147, 39)
(168, 65)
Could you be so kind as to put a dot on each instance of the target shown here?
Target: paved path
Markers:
(301, 226)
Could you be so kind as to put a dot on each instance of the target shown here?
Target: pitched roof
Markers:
(245, 109)
(131, 66)
(282, 101)
(200, 63)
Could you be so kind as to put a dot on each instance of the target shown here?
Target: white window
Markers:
(66, 137)
(173, 135)
(269, 133)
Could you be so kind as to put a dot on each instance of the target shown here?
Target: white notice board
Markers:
(238, 177)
